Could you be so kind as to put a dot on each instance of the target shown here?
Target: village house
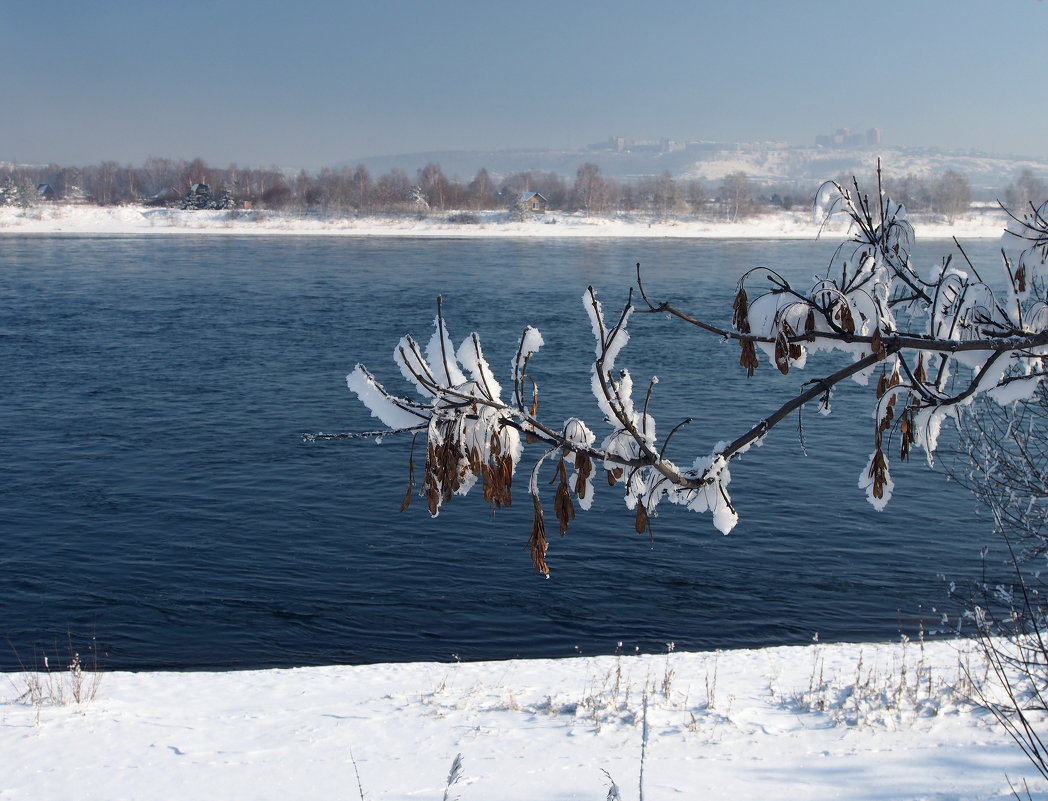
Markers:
(534, 202)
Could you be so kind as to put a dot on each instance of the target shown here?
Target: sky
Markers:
(313, 83)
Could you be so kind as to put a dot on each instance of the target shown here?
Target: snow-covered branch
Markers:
(934, 342)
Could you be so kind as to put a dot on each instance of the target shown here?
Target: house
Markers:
(198, 197)
(534, 202)
(45, 192)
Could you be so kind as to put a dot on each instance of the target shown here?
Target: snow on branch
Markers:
(933, 343)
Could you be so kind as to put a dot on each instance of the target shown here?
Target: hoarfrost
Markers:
(394, 412)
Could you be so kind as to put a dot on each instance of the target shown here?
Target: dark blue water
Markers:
(155, 492)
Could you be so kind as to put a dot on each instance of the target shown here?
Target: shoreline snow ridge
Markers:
(114, 220)
(872, 721)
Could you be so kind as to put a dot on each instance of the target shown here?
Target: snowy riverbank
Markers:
(59, 218)
(826, 721)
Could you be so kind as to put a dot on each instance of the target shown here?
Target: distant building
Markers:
(45, 192)
(616, 144)
(846, 138)
(534, 202)
(620, 144)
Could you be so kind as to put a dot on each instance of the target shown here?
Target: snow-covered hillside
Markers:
(771, 164)
(765, 162)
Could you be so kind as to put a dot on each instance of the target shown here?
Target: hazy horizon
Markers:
(320, 82)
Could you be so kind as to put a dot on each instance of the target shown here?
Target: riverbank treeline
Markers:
(179, 183)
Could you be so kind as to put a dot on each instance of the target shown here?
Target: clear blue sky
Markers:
(308, 83)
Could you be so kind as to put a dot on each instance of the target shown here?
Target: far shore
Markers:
(135, 220)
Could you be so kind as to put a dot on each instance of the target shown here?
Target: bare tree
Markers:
(737, 196)
(660, 194)
(130, 181)
(196, 171)
(303, 187)
(695, 194)
(160, 176)
(103, 186)
(911, 191)
(434, 185)
(333, 190)
(278, 196)
(1025, 192)
(933, 344)
(361, 189)
(951, 194)
(393, 189)
(591, 190)
(1002, 459)
(482, 191)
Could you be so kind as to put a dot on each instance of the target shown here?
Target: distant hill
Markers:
(768, 163)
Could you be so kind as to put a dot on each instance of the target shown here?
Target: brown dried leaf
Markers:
(584, 468)
(748, 359)
(879, 473)
(908, 430)
(740, 309)
(882, 384)
(844, 316)
(537, 542)
(641, 521)
(877, 345)
(809, 325)
(498, 481)
(473, 458)
(563, 506)
(889, 415)
(918, 374)
(432, 484)
(895, 379)
(782, 351)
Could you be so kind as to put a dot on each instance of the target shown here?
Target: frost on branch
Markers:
(472, 434)
(931, 343)
(465, 419)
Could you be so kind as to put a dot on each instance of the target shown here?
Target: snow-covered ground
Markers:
(888, 721)
(57, 218)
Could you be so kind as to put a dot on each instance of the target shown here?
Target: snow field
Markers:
(872, 721)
